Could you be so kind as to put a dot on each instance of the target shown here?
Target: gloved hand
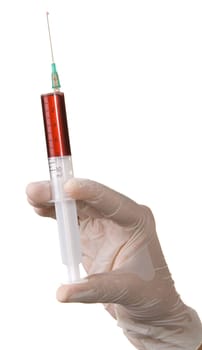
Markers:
(126, 267)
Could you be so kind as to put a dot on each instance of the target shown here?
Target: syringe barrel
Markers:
(55, 124)
(61, 170)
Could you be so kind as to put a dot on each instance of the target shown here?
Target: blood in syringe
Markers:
(55, 124)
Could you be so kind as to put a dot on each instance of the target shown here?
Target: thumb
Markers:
(98, 288)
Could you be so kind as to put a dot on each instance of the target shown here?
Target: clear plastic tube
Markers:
(61, 170)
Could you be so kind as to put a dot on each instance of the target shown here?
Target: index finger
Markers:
(109, 203)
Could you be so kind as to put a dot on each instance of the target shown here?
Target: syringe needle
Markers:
(51, 46)
(54, 75)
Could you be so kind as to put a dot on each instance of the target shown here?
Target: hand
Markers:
(126, 267)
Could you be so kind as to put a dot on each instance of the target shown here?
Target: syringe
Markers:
(60, 167)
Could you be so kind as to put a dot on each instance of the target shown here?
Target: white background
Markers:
(132, 76)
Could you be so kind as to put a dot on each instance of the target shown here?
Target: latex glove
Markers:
(126, 267)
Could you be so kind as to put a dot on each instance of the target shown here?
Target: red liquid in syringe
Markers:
(55, 124)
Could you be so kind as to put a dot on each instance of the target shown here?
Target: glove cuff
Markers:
(183, 331)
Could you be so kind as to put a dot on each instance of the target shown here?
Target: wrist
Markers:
(183, 331)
